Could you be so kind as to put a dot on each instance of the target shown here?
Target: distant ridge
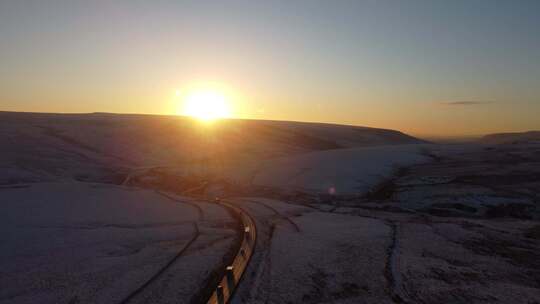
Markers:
(128, 139)
(516, 137)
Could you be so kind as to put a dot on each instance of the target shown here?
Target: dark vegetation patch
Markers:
(14, 186)
(14, 182)
(454, 277)
(515, 252)
(349, 290)
(319, 286)
(459, 295)
(443, 212)
(322, 293)
(457, 206)
(453, 262)
(516, 210)
(500, 179)
(533, 232)
(427, 152)
(385, 207)
(107, 177)
(386, 190)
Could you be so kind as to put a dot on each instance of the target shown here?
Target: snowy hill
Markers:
(38, 146)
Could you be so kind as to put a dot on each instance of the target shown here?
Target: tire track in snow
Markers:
(152, 279)
(200, 211)
(276, 212)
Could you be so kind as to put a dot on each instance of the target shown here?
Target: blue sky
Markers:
(423, 67)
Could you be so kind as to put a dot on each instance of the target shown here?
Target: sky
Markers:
(437, 67)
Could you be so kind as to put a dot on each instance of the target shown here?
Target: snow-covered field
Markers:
(93, 243)
(474, 181)
(102, 208)
(308, 256)
(344, 171)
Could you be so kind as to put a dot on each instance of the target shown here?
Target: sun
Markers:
(206, 105)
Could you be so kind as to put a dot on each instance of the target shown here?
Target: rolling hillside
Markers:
(87, 146)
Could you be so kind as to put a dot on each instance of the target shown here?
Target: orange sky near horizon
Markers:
(419, 71)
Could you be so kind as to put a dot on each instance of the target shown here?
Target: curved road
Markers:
(233, 274)
(223, 292)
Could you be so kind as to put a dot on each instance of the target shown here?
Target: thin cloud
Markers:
(467, 103)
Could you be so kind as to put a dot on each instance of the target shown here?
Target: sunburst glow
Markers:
(206, 105)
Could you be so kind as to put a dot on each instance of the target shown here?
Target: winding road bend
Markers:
(233, 274)
(229, 280)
